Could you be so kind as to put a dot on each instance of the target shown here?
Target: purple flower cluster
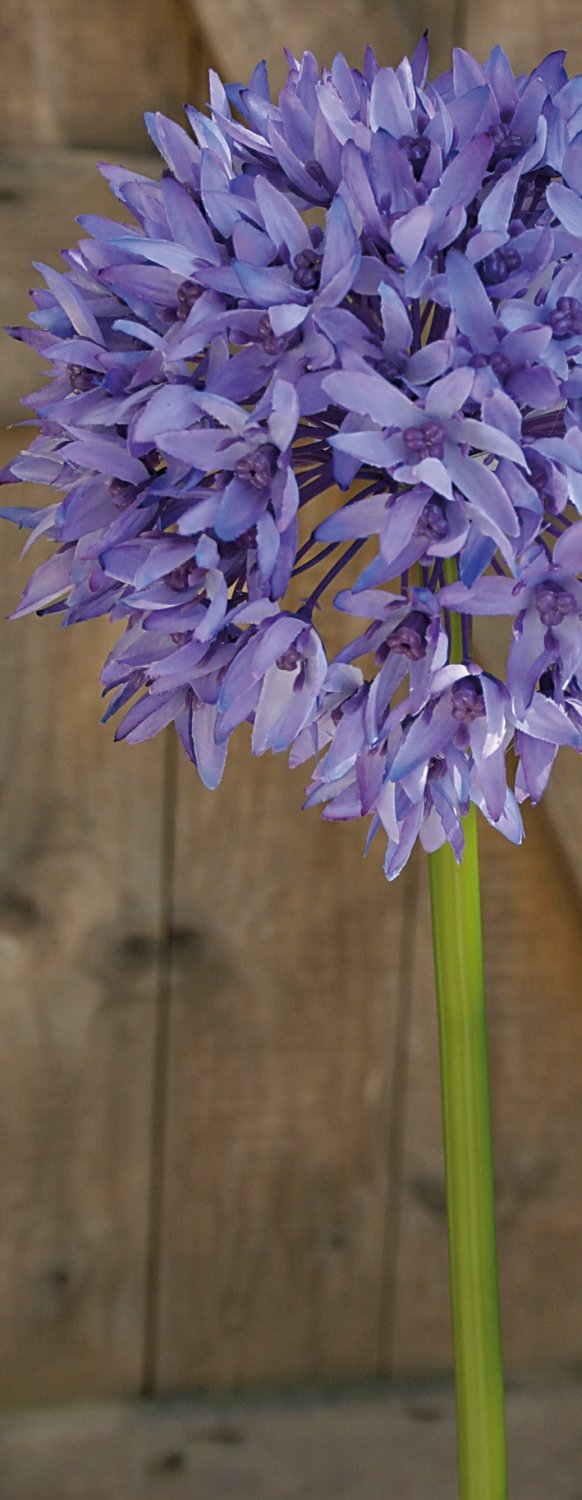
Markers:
(343, 325)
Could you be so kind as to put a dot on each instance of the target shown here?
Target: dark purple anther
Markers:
(500, 365)
(273, 343)
(181, 578)
(507, 144)
(425, 442)
(349, 705)
(432, 521)
(565, 318)
(437, 768)
(500, 264)
(187, 294)
(546, 684)
(315, 170)
(80, 379)
(307, 269)
(121, 492)
(289, 660)
(409, 638)
(467, 700)
(256, 468)
(512, 259)
(417, 149)
(553, 602)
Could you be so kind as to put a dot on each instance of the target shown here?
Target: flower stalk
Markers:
(458, 955)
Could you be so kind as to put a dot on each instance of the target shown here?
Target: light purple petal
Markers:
(360, 518)
(240, 508)
(148, 716)
(409, 232)
(395, 319)
(107, 456)
(187, 224)
(567, 207)
(267, 285)
(462, 178)
(372, 397)
(388, 108)
(481, 486)
(47, 584)
(470, 303)
(170, 408)
(489, 439)
(429, 362)
(488, 596)
(282, 222)
(447, 396)
(546, 720)
(210, 756)
(73, 303)
(427, 735)
(568, 549)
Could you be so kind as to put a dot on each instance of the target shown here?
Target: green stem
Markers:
(456, 917)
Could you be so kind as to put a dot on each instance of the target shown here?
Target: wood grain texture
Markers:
(242, 31)
(527, 32)
(387, 1445)
(284, 996)
(532, 958)
(80, 859)
(82, 75)
(562, 807)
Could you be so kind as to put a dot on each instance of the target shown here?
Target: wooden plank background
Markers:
(364, 1446)
(221, 1157)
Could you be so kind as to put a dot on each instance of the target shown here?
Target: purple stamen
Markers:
(553, 603)
(307, 269)
(425, 442)
(289, 660)
(256, 468)
(467, 700)
(187, 294)
(507, 144)
(497, 266)
(273, 343)
(81, 379)
(432, 521)
(565, 318)
(417, 149)
(409, 638)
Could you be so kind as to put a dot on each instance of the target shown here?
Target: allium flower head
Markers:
(333, 359)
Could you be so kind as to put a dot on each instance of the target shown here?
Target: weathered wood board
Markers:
(284, 1008)
(80, 902)
(527, 32)
(82, 75)
(240, 32)
(383, 1447)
